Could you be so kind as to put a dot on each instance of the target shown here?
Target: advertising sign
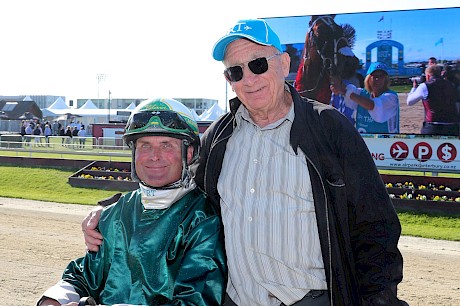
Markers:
(414, 152)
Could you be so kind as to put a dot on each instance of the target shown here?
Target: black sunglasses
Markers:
(257, 66)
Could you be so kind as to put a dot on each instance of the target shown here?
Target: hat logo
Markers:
(239, 27)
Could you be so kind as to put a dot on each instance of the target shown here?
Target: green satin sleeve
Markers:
(174, 256)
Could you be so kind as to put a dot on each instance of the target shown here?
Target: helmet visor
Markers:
(169, 121)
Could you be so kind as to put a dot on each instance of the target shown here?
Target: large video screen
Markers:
(403, 40)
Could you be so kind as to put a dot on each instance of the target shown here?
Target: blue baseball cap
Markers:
(377, 66)
(256, 30)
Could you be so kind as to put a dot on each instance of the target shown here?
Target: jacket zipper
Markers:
(327, 225)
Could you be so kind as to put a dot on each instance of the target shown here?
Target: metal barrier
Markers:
(31, 144)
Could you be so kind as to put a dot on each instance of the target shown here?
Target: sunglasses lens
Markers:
(234, 74)
(259, 65)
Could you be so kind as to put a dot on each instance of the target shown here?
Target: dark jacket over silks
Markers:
(358, 226)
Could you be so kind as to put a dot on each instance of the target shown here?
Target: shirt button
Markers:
(250, 219)
(252, 190)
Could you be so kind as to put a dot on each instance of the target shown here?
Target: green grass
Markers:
(52, 185)
(401, 88)
(46, 185)
(421, 225)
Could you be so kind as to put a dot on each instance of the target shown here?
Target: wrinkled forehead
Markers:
(242, 50)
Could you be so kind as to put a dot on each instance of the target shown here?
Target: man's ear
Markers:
(286, 62)
(189, 154)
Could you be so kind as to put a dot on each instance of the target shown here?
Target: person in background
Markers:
(56, 127)
(37, 133)
(307, 218)
(377, 107)
(22, 130)
(47, 132)
(68, 135)
(163, 243)
(82, 136)
(29, 131)
(439, 101)
(75, 131)
(338, 100)
(62, 135)
(432, 61)
(350, 75)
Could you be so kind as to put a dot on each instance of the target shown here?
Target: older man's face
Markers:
(257, 91)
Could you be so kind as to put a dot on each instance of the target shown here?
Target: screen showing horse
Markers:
(327, 48)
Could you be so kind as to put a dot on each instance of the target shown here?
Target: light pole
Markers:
(109, 107)
(100, 77)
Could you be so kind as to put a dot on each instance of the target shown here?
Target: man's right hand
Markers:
(93, 239)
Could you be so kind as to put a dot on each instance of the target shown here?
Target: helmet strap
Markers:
(186, 174)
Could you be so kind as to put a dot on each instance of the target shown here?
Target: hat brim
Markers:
(386, 72)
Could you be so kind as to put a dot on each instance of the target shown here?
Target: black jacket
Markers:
(358, 226)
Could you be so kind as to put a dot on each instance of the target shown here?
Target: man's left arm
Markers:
(375, 228)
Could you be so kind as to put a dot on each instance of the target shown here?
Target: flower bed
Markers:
(424, 194)
(104, 175)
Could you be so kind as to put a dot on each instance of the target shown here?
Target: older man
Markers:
(307, 218)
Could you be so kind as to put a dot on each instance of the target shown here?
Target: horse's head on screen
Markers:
(327, 52)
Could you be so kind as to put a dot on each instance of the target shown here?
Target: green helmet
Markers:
(163, 117)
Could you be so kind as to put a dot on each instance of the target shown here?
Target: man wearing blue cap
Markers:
(306, 216)
(377, 107)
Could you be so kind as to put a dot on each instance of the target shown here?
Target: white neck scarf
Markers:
(163, 198)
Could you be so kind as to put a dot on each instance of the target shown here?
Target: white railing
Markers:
(64, 145)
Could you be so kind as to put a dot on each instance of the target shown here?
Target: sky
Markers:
(142, 48)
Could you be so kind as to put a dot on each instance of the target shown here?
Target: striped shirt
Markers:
(271, 234)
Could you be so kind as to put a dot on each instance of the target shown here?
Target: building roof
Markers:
(17, 110)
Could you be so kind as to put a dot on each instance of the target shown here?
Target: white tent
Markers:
(48, 113)
(58, 104)
(195, 115)
(88, 105)
(132, 106)
(212, 114)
